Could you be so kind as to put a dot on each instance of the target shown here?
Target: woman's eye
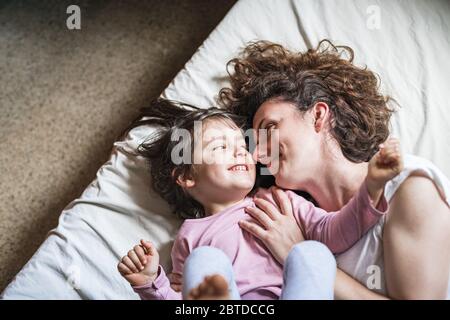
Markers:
(270, 127)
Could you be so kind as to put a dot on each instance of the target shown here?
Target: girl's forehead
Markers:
(220, 128)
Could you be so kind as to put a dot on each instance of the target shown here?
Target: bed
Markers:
(406, 42)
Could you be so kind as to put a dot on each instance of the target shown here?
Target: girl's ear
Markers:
(321, 112)
(184, 180)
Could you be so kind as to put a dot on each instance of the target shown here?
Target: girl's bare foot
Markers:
(213, 287)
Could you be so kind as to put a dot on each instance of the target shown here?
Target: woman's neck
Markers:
(336, 183)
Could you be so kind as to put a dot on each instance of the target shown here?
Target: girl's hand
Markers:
(141, 264)
(275, 227)
(385, 164)
(176, 281)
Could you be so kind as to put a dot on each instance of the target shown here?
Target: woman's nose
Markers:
(255, 154)
(261, 154)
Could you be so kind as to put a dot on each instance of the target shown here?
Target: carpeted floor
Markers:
(67, 94)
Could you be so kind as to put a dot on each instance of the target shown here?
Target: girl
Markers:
(212, 196)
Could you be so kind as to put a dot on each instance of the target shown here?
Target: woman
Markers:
(329, 119)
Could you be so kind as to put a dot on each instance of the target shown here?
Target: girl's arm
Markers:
(140, 267)
(279, 231)
(339, 230)
(159, 289)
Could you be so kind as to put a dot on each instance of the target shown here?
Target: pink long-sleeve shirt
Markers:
(258, 275)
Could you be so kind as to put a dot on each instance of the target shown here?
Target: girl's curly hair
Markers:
(265, 71)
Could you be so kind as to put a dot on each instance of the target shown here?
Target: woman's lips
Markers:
(269, 164)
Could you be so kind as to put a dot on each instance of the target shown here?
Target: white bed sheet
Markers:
(410, 52)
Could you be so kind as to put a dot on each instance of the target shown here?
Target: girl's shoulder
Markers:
(267, 194)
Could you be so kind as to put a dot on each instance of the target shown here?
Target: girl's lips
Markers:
(239, 167)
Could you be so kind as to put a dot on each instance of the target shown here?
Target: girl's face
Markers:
(295, 137)
(223, 168)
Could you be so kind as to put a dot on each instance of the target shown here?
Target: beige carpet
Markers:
(66, 96)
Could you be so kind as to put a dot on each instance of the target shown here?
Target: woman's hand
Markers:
(275, 227)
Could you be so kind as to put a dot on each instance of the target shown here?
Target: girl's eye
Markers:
(221, 147)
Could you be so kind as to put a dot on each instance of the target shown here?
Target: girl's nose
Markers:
(239, 152)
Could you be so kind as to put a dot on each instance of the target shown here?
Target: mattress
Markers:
(406, 42)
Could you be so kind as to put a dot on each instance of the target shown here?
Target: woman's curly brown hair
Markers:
(265, 71)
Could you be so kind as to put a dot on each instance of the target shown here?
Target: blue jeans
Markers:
(309, 271)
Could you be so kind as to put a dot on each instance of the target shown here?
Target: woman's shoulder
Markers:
(419, 166)
(413, 163)
(412, 160)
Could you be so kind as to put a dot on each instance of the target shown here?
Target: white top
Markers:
(364, 261)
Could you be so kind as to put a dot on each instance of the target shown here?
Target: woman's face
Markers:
(298, 143)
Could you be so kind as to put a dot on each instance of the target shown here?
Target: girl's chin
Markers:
(245, 186)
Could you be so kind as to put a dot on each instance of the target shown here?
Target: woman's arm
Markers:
(347, 288)
(417, 242)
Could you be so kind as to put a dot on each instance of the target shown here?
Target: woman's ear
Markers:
(321, 112)
(184, 180)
